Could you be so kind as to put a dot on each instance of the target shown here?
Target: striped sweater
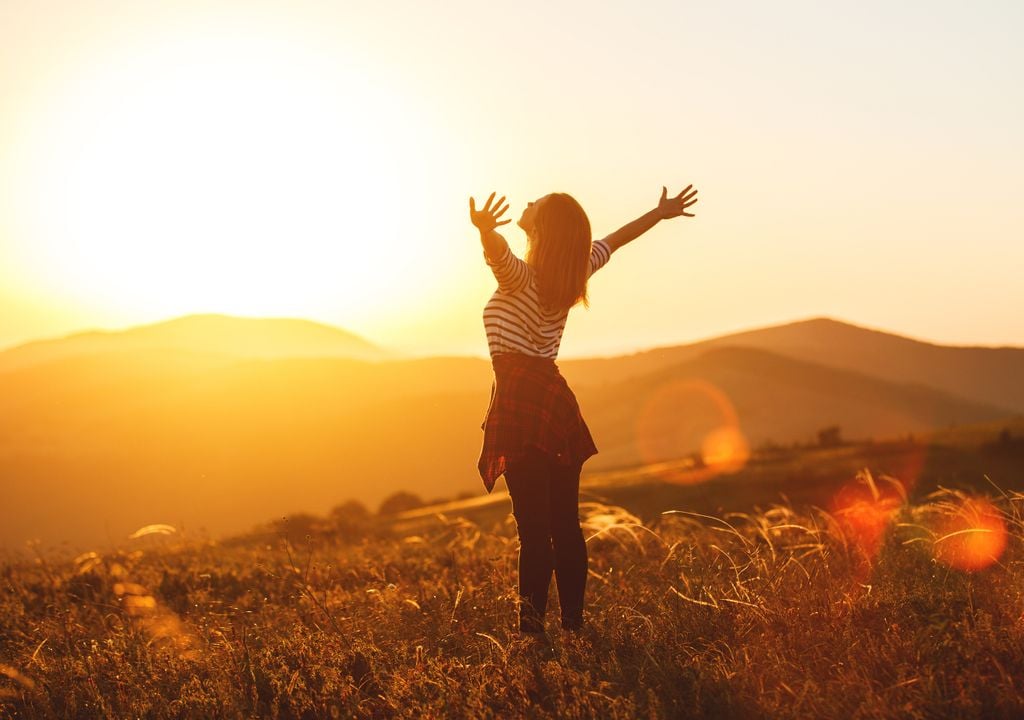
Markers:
(514, 318)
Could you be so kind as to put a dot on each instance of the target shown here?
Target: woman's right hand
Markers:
(486, 219)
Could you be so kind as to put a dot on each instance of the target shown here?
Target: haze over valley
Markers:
(217, 422)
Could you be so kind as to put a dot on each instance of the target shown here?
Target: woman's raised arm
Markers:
(510, 272)
(667, 208)
(486, 220)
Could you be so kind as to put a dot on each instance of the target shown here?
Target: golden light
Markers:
(973, 537)
(219, 171)
(690, 416)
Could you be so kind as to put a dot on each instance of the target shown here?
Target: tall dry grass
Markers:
(878, 608)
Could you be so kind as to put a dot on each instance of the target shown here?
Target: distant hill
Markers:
(664, 413)
(992, 376)
(236, 337)
(987, 375)
(117, 440)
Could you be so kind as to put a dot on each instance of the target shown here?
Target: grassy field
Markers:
(883, 600)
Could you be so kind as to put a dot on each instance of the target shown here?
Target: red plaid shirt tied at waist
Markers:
(531, 404)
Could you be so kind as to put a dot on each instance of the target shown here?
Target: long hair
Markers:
(560, 252)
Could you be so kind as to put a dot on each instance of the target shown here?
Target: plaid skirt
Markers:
(531, 404)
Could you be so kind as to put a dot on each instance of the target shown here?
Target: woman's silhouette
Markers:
(533, 430)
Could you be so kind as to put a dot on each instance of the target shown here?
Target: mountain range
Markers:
(217, 422)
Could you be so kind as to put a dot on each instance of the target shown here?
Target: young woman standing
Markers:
(534, 433)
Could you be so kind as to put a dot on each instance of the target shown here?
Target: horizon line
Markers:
(414, 355)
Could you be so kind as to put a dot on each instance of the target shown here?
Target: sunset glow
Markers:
(190, 170)
(314, 160)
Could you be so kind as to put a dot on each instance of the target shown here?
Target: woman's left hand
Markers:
(676, 206)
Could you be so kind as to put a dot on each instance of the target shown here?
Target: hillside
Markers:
(772, 398)
(235, 337)
(992, 376)
(103, 444)
(987, 375)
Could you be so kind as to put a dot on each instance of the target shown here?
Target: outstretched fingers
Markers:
(687, 197)
(486, 218)
(500, 212)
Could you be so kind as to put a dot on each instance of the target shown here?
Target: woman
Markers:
(533, 431)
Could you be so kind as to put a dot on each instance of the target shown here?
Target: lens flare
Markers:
(690, 417)
(972, 537)
(865, 508)
(725, 449)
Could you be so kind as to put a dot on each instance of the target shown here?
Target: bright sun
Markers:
(208, 172)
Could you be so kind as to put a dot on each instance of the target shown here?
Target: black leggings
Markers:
(545, 503)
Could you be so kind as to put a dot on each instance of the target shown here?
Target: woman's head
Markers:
(559, 249)
(529, 217)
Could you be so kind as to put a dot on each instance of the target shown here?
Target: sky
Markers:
(861, 161)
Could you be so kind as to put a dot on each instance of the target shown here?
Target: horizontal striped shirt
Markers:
(514, 318)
